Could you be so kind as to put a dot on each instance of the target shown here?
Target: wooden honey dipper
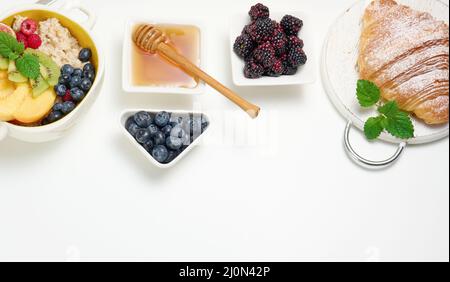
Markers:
(151, 39)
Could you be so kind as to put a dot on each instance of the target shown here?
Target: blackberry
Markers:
(277, 69)
(261, 30)
(265, 55)
(289, 70)
(279, 42)
(259, 11)
(293, 41)
(253, 70)
(243, 46)
(296, 57)
(291, 25)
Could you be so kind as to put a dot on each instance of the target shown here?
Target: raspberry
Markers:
(261, 30)
(293, 41)
(243, 46)
(253, 70)
(296, 57)
(67, 97)
(22, 38)
(279, 41)
(259, 11)
(291, 25)
(28, 27)
(34, 41)
(265, 55)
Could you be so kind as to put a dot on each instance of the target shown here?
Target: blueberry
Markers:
(174, 143)
(88, 67)
(160, 153)
(148, 146)
(178, 132)
(77, 94)
(77, 72)
(143, 119)
(64, 79)
(195, 125)
(58, 107)
(60, 90)
(153, 129)
(86, 84)
(176, 120)
(205, 123)
(45, 121)
(174, 124)
(162, 119)
(166, 130)
(159, 138)
(89, 75)
(131, 126)
(54, 116)
(85, 55)
(172, 156)
(75, 81)
(67, 70)
(67, 107)
(143, 135)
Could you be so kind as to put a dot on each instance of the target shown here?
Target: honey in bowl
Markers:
(153, 70)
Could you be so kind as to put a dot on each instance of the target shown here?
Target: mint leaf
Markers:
(28, 66)
(9, 46)
(397, 122)
(373, 127)
(368, 93)
(400, 125)
(389, 109)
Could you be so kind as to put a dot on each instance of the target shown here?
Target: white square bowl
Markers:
(127, 83)
(128, 113)
(305, 74)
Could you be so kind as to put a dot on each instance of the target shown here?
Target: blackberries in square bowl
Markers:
(164, 136)
(268, 47)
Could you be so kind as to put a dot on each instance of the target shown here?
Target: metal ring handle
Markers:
(360, 160)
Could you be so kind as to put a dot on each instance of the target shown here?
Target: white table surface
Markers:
(295, 196)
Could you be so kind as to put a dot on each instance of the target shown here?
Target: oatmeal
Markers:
(58, 43)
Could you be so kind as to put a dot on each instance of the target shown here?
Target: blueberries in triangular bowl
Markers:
(164, 136)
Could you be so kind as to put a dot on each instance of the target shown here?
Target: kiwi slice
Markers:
(39, 86)
(4, 63)
(12, 66)
(17, 77)
(14, 75)
(49, 69)
(44, 72)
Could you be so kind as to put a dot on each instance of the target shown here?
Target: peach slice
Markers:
(34, 109)
(11, 102)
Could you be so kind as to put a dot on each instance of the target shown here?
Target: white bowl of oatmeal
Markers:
(62, 39)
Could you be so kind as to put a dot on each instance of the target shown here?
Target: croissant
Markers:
(406, 53)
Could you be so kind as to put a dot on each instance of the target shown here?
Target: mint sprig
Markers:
(10, 48)
(368, 93)
(28, 66)
(390, 118)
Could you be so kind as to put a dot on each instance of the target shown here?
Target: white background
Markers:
(92, 196)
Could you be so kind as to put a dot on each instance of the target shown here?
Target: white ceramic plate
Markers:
(339, 72)
(128, 113)
(127, 84)
(306, 74)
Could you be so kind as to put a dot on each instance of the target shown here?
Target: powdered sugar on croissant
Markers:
(406, 53)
